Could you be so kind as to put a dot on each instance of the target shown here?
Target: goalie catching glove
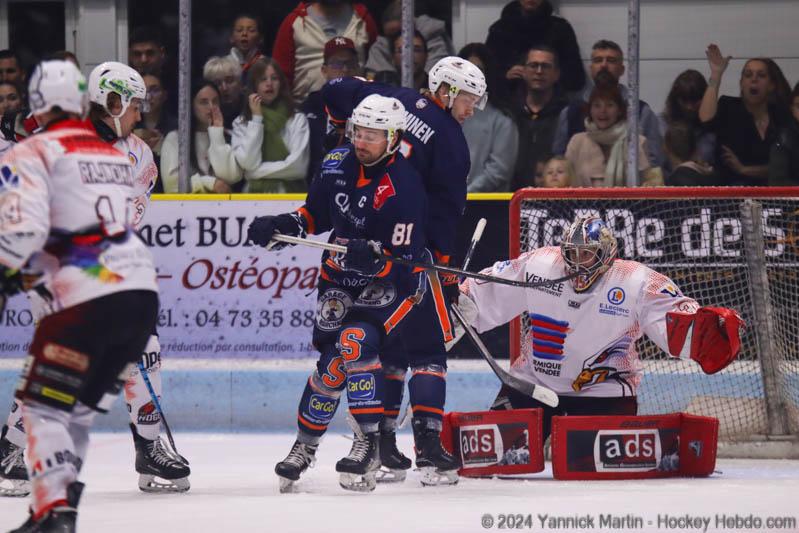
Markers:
(262, 229)
(711, 336)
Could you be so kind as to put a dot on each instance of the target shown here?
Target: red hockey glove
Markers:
(711, 336)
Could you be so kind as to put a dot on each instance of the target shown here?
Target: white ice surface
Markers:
(234, 489)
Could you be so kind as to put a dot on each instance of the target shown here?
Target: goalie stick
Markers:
(425, 266)
(538, 392)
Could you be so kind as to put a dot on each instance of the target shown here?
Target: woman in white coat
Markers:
(270, 139)
(213, 166)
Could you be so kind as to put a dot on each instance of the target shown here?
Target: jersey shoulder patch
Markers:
(334, 158)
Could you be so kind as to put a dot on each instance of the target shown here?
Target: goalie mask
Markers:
(588, 248)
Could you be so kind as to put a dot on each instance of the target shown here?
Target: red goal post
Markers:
(735, 247)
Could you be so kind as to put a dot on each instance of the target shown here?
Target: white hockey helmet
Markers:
(588, 248)
(57, 84)
(380, 113)
(461, 75)
(114, 77)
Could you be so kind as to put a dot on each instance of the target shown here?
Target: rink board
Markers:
(250, 396)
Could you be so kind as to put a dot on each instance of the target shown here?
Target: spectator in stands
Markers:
(246, 37)
(607, 56)
(559, 173)
(526, 23)
(682, 106)
(538, 111)
(300, 42)
(781, 96)
(491, 134)
(147, 54)
(393, 77)
(746, 126)
(156, 122)
(213, 166)
(688, 169)
(599, 154)
(225, 73)
(270, 139)
(11, 68)
(340, 60)
(10, 98)
(783, 164)
(434, 32)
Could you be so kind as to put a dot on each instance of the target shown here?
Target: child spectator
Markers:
(299, 45)
(270, 139)
(225, 73)
(213, 166)
(247, 39)
(783, 165)
(559, 173)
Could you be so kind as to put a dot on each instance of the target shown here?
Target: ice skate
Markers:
(59, 519)
(393, 462)
(359, 469)
(13, 475)
(300, 458)
(435, 464)
(158, 467)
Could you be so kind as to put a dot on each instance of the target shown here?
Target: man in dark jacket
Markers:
(525, 23)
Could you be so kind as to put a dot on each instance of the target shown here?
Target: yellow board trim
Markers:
(288, 197)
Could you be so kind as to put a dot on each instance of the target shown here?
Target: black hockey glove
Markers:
(363, 256)
(262, 229)
(10, 281)
(449, 285)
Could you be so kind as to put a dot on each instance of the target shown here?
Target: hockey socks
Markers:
(358, 344)
(142, 410)
(317, 406)
(428, 391)
(393, 389)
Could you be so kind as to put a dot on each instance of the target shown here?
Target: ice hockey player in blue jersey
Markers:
(435, 145)
(375, 202)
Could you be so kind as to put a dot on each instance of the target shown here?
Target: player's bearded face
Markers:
(370, 144)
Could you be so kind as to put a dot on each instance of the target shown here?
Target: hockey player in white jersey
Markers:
(581, 336)
(69, 192)
(116, 93)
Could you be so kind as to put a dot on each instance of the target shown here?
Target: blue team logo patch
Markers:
(322, 407)
(616, 296)
(335, 158)
(361, 387)
(9, 179)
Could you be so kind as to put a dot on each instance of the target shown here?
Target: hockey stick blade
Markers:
(537, 392)
(476, 236)
(426, 266)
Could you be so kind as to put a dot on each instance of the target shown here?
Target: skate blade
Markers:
(14, 488)
(286, 485)
(431, 477)
(153, 484)
(358, 482)
(391, 475)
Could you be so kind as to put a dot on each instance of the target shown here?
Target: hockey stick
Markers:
(542, 394)
(154, 397)
(426, 266)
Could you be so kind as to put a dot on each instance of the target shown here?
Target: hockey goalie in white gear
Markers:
(580, 335)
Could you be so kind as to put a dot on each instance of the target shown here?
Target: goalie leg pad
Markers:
(711, 336)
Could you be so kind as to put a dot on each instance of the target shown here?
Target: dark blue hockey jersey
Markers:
(433, 143)
(384, 203)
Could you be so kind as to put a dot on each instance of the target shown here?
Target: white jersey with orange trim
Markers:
(579, 344)
(66, 199)
(145, 173)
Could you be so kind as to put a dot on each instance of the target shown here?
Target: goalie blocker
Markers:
(583, 447)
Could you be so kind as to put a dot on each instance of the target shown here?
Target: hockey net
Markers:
(736, 248)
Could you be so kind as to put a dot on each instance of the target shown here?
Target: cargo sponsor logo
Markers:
(335, 158)
(481, 445)
(66, 357)
(629, 450)
(322, 407)
(361, 387)
(332, 307)
(148, 414)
